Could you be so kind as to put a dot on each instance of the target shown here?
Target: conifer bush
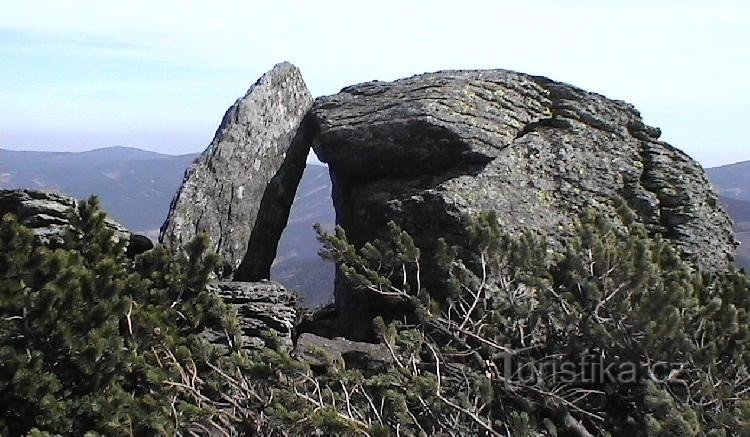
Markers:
(612, 332)
(94, 343)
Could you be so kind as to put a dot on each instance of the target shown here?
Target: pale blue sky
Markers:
(76, 75)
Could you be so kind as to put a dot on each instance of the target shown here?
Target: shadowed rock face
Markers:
(430, 150)
(239, 191)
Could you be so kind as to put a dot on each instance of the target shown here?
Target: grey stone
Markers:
(240, 190)
(46, 213)
(266, 312)
(321, 352)
(430, 150)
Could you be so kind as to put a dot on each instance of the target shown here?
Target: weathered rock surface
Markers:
(266, 312)
(321, 352)
(239, 191)
(46, 213)
(430, 150)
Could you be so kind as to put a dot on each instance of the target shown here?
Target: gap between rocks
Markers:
(297, 264)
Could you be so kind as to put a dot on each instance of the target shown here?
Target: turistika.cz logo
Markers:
(588, 369)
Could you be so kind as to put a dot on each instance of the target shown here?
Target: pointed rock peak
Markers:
(240, 190)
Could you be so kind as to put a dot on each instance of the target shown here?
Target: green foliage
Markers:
(91, 341)
(652, 345)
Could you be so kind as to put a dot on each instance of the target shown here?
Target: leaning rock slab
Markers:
(240, 190)
(431, 150)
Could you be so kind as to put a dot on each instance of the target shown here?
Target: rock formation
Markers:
(430, 150)
(239, 192)
(265, 311)
(321, 353)
(46, 213)
(240, 189)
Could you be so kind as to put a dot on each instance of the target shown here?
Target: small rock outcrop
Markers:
(265, 311)
(322, 353)
(430, 150)
(240, 190)
(46, 213)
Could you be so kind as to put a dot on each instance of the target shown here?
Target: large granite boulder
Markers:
(46, 213)
(240, 190)
(430, 150)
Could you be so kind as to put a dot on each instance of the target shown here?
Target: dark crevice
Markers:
(653, 186)
(400, 145)
(552, 122)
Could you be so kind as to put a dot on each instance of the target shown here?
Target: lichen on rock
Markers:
(432, 150)
(240, 190)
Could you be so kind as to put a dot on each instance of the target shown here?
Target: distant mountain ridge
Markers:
(739, 210)
(135, 186)
(733, 184)
(732, 181)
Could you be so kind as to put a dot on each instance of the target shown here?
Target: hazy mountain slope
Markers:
(732, 180)
(740, 212)
(135, 186)
(28, 161)
(733, 184)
